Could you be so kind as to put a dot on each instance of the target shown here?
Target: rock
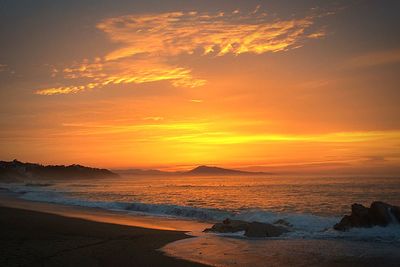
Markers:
(360, 216)
(344, 224)
(283, 223)
(379, 214)
(257, 229)
(359, 210)
(396, 213)
(228, 226)
(251, 229)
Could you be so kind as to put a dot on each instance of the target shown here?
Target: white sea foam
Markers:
(305, 226)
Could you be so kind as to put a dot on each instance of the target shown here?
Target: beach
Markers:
(200, 133)
(153, 221)
(47, 234)
(32, 238)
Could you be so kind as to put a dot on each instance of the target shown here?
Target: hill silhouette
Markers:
(199, 170)
(16, 170)
(212, 170)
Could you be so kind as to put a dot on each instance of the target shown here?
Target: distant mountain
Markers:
(16, 170)
(200, 170)
(211, 170)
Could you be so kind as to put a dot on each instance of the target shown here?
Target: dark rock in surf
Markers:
(251, 229)
(396, 212)
(283, 222)
(379, 214)
(228, 226)
(257, 229)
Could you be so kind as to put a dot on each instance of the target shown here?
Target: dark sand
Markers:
(30, 238)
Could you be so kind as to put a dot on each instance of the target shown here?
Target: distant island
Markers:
(211, 170)
(16, 170)
(200, 170)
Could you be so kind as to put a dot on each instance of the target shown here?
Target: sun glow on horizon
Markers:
(230, 84)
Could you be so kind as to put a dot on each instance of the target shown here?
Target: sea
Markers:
(311, 204)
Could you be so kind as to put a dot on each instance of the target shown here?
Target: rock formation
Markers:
(251, 229)
(378, 214)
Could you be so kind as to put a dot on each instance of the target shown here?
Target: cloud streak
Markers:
(211, 133)
(3, 67)
(376, 58)
(147, 45)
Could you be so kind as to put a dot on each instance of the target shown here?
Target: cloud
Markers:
(154, 118)
(375, 159)
(148, 43)
(375, 59)
(213, 133)
(317, 35)
(3, 67)
(101, 74)
(156, 127)
(224, 137)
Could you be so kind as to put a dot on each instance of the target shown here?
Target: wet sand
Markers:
(32, 238)
(105, 216)
(235, 251)
(45, 234)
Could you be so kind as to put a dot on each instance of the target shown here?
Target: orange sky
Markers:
(260, 85)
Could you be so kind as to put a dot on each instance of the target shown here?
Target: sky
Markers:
(288, 86)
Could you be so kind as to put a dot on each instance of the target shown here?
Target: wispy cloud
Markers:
(210, 138)
(375, 59)
(102, 73)
(212, 133)
(155, 126)
(3, 67)
(148, 43)
(154, 118)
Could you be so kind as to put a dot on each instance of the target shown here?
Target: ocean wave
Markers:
(38, 184)
(179, 211)
(304, 225)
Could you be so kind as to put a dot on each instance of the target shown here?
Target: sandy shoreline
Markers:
(31, 238)
(105, 216)
(46, 234)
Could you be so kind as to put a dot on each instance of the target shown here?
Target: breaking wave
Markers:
(304, 225)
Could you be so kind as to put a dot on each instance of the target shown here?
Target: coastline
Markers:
(33, 238)
(47, 234)
(11, 200)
